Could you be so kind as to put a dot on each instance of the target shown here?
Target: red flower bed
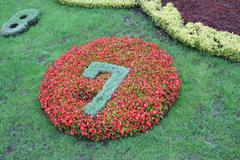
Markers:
(141, 100)
(222, 15)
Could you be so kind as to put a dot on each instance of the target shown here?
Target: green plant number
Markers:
(118, 74)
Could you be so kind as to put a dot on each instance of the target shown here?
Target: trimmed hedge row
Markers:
(101, 3)
(196, 35)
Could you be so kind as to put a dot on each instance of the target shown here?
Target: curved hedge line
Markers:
(196, 35)
(218, 43)
(101, 3)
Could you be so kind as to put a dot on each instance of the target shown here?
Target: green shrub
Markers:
(111, 85)
(101, 3)
(20, 22)
(193, 34)
(196, 35)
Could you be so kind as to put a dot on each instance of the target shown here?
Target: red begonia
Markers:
(141, 100)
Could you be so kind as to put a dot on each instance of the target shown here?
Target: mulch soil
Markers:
(223, 15)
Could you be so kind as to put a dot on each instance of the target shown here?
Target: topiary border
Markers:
(196, 35)
(101, 3)
(20, 22)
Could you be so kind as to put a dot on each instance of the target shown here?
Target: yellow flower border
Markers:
(196, 35)
(101, 3)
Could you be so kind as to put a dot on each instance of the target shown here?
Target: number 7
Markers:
(119, 73)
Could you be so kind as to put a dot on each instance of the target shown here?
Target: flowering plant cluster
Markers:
(140, 101)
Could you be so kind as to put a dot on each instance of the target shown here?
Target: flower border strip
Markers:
(119, 73)
(101, 3)
(196, 35)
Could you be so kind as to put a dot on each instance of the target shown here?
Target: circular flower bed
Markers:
(140, 101)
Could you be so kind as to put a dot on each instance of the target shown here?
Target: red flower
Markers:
(142, 99)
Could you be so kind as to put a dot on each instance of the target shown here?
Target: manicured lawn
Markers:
(203, 124)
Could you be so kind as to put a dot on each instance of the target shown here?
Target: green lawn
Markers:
(203, 124)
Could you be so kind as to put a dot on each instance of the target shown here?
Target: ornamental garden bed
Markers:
(142, 86)
(20, 22)
(196, 35)
(170, 100)
(223, 15)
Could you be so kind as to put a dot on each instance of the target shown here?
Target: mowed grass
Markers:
(203, 124)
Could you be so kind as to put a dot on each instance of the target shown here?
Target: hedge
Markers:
(196, 35)
(101, 3)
